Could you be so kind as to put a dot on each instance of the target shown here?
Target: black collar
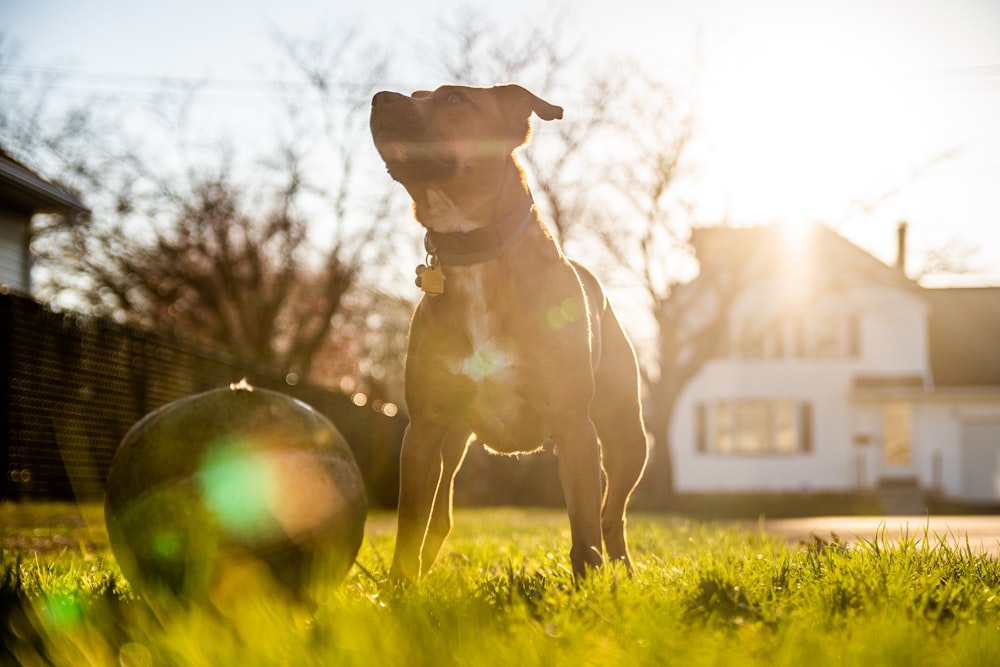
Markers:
(479, 245)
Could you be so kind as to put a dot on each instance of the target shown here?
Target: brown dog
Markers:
(513, 343)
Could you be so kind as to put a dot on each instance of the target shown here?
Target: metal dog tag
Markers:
(431, 278)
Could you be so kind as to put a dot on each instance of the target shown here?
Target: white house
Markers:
(24, 193)
(840, 374)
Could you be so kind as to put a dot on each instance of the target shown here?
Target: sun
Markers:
(795, 234)
(800, 124)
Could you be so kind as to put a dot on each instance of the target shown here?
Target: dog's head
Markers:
(453, 138)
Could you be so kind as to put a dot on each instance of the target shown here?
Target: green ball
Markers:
(231, 481)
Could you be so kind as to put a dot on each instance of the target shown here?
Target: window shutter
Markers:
(805, 428)
(701, 428)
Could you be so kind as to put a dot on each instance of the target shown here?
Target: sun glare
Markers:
(795, 235)
(794, 109)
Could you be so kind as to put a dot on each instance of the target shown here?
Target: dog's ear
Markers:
(518, 104)
(521, 102)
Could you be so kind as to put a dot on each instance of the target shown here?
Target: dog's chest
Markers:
(482, 322)
(493, 362)
(491, 359)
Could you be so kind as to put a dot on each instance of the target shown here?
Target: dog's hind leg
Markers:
(580, 474)
(624, 457)
(617, 416)
(454, 445)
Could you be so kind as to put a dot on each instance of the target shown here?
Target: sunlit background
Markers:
(858, 114)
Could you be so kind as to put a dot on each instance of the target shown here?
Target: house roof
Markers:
(964, 336)
(963, 323)
(829, 257)
(24, 190)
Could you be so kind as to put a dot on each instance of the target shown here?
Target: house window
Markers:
(827, 336)
(752, 427)
(786, 439)
(722, 428)
(896, 425)
(758, 339)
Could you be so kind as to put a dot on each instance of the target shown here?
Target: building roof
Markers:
(827, 257)
(964, 336)
(24, 190)
(963, 323)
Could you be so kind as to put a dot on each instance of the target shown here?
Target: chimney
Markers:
(901, 247)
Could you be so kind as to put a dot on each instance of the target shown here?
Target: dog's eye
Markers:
(454, 98)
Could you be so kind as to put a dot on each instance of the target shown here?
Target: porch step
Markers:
(902, 497)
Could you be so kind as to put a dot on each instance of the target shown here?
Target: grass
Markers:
(502, 594)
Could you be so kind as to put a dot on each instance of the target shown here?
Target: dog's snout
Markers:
(385, 98)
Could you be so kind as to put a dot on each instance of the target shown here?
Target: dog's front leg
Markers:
(421, 475)
(453, 448)
(580, 473)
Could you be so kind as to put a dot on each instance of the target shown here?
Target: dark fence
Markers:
(71, 386)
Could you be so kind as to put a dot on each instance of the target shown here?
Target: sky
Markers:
(855, 113)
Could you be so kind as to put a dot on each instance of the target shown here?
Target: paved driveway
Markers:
(981, 533)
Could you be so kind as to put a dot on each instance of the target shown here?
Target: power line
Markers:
(69, 79)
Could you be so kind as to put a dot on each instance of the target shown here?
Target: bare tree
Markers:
(648, 240)
(256, 262)
(954, 257)
(566, 163)
(692, 327)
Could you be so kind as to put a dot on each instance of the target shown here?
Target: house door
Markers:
(897, 439)
(981, 461)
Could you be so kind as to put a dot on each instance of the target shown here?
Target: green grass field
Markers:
(502, 594)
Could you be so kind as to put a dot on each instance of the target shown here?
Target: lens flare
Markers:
(166, 545)
(257, 494)
(301, 496)
(486, 362)
(62, 610)
(564, 313)
(234, 482)
(134, 654)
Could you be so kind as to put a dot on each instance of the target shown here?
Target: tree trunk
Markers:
(658, 480)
